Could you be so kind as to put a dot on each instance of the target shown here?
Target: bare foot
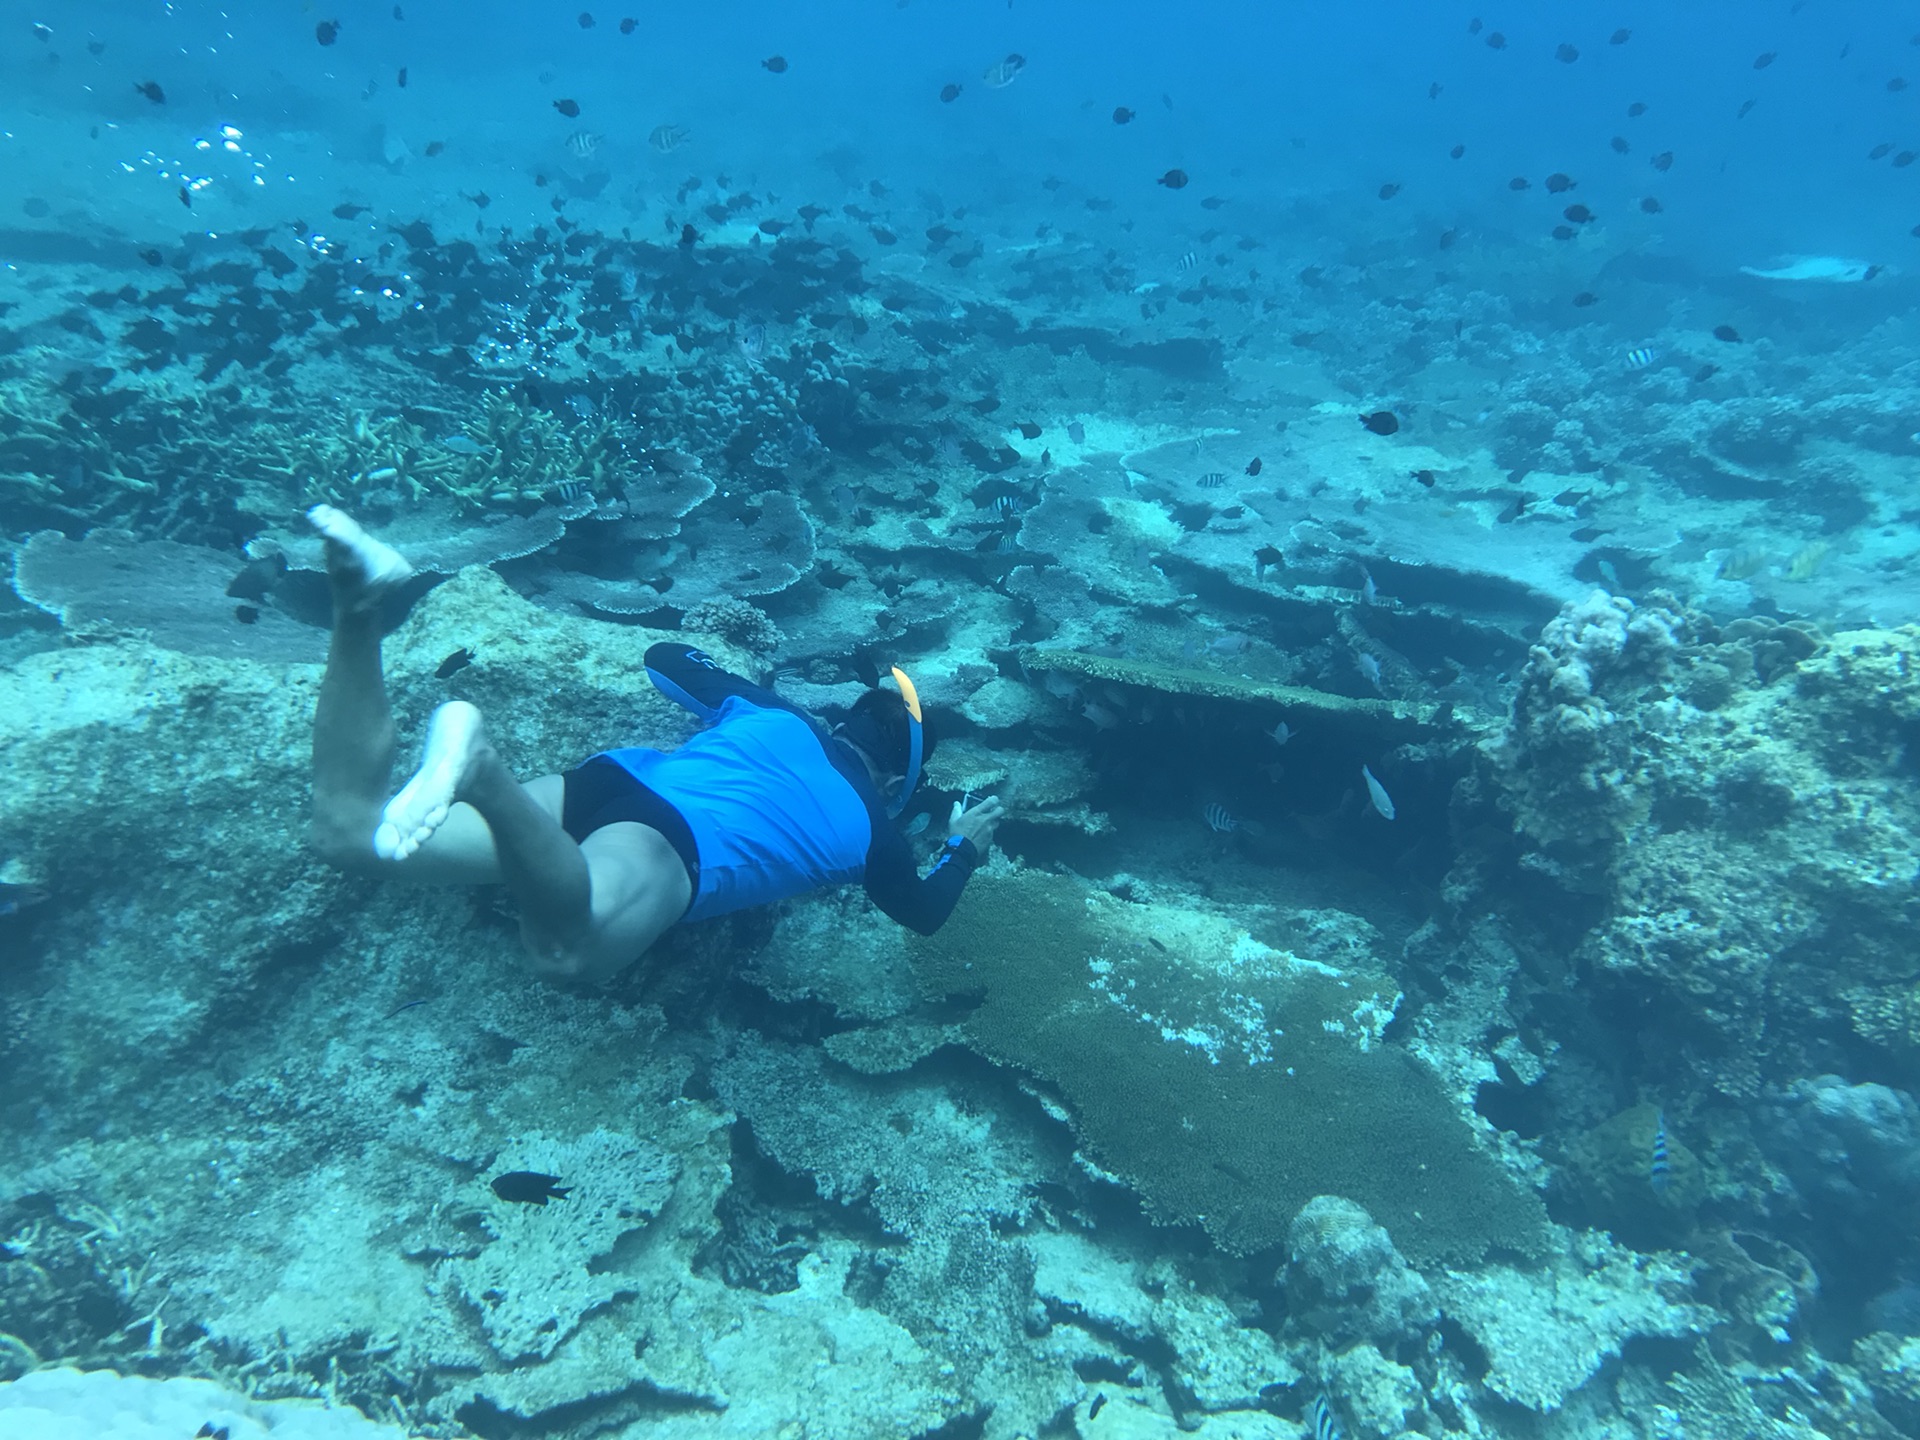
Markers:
(455, 741)
(359, 565)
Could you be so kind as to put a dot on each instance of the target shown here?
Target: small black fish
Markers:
(1663, 161)
(1519, 182)
(1559, 183)
(327, 31)
(1564, 232)
(1425, 477)
(568, 108)
(1099, 1402)
(1027, 429)
(1514, 509)
(151, 89)
(453, 664)
(529, 1187)
(401, 78)
(350, 211)
(1620, 37)
(1381, 422)
(257, 577)
(1496, 41)
(186, 197)
(1726, 333)
(1578, 214)
(1903, 159)
(1389, 190)
(1762, 61)
(1896, 84)
(1566, 54)
(1447, 237)
(1650, 206)
(435, 147)
(1173, 180)
(1473, 26)
(1705, 373)
(629, 25)
(949, 93)
(1253, 466)
(1746, 108)
(586, 20)
(689, 236)
(1457, 151)
(1122, 115)
(776, 63)
(1621, 145)
(247, 614)
(1636, 110)
(1881, 151)
(153, 257)
(1586, 298)
(1433, 90)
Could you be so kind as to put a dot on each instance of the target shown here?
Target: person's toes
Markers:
(371, 562)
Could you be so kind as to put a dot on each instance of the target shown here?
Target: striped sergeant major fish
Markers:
(1659, 1163)
(1186, 262)
(1219, 819)
(1326, 1424)
(1642, 357)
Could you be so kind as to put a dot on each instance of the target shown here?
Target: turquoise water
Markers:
(1410, 511)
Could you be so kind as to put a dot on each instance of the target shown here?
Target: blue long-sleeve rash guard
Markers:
(778, 807)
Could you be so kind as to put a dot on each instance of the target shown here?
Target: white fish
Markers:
(1382, 801)
(1000, 74)
(1280, 733)
(1368, 593)
(1829, 269)
(1099, 716)
(1369, 667)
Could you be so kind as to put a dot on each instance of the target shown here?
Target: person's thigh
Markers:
(461, 851)
(640, 890)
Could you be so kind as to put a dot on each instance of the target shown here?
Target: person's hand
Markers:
(977, 824)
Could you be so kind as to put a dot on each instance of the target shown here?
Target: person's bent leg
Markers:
(462, 781)
(353, 739)
(353, 731)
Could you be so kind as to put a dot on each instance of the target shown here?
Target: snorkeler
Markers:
(765, 804)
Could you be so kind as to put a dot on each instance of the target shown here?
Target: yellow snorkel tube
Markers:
(916, 741)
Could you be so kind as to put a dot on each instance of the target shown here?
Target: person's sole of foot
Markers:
(354, 557)
(454, 739)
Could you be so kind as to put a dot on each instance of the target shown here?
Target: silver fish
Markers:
(1281, 733)
(1377, 792)
(464, 445)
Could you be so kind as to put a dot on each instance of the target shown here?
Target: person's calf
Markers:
(343, 837)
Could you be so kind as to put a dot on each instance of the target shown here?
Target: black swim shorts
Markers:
(602, 792)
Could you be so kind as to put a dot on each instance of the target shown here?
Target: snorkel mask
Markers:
(916, 742)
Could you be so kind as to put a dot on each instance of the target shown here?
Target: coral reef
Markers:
(69, 1404)
(1346, 1279)
(1228, 1081)
(1546, 1334)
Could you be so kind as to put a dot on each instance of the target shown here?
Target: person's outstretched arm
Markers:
(923, 903)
